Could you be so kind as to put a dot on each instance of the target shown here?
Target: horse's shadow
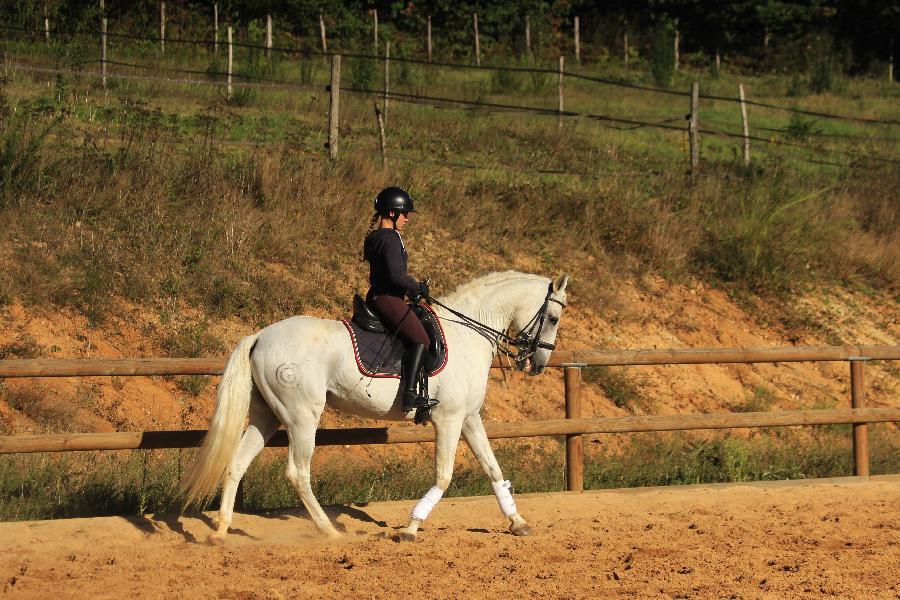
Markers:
(173, 523)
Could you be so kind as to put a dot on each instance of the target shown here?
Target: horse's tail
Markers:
(206, 473)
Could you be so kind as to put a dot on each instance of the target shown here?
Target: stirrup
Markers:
(419, 402)
(423, 413)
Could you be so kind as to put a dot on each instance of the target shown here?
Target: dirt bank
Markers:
(778, 540)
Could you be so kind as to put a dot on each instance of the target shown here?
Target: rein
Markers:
(524, 344)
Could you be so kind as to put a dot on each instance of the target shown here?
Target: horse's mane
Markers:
(491, 279)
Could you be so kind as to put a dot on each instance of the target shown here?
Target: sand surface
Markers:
(837, 537)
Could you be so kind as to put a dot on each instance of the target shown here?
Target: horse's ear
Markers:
(560, 283)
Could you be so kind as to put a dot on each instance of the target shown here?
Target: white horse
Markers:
(288, 372)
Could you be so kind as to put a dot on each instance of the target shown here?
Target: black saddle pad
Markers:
(380, 355)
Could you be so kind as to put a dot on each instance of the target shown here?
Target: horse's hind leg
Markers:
(263, 424)
(302, 434)
(476, 437)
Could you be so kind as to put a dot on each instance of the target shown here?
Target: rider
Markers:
(389, 282)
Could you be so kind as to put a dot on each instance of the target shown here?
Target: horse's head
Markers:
(537, 322)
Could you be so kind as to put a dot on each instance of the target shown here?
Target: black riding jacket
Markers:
(388, 260)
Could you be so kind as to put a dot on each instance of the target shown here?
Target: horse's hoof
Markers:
(406, 536)
(520, 529)
(216, 539)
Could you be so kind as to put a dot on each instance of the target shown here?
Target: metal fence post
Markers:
(574, 443)
(860, 430)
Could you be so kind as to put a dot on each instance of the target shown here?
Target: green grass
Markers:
(45, 486)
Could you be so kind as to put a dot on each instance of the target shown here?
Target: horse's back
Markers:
(297, 339)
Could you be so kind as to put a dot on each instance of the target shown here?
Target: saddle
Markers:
(379, 354)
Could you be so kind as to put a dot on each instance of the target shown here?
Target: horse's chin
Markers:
(530, 368)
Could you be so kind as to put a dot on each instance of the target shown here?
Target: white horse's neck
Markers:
(495, 299)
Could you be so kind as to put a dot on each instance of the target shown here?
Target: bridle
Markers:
(524, 344)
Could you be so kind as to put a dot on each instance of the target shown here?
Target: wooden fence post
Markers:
(694, 127)
(560, 100)
(269, 36)
(677, 45)
(230, 62)
(528, 34)
(380, 122)
(322, 31)
(429, 38)
(162, 26)
(387, 75)
(103, 51)
(46, 24)
(625, 45)
(477, 42)
(891, 61)
(333, 114)
(574, 443)
(860, 430)
(216, 28)
(375, 19)
(745, 124)
(577, 43)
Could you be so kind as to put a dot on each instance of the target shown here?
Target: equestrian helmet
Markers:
(393, 199)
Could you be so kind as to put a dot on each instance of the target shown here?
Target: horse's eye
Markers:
(554, 320)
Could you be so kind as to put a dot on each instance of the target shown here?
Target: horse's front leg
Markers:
(475, 435)
(446, 439)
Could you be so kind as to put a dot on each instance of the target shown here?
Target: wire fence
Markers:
(621, 123)
(95, 34)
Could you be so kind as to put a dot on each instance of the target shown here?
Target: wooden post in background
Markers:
(387, 75)
(891, 61)
(577, 43)
(677, 45)
(528, 34)
(860, 430)
(162, 26)
(380, 122)
(216, 28)
(694, 127)
(745, 124)
(103, 51)
(46, 23)
(429, 38)
(333, 113)
(375, 20)
(625, 44)
(477, 42)
(322, 31)
(230, 63)
(560, 89)
(269, 36)
(574, 443)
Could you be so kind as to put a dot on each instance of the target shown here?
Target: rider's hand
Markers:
(424, 292)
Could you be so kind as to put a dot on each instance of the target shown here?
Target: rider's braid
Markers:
(373, 227)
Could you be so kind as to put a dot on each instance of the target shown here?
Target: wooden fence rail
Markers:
(52, 367)
(145, 440)
(572, 361)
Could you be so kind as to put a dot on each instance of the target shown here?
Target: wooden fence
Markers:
(573, 426)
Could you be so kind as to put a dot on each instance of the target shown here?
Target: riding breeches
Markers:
(398, 317)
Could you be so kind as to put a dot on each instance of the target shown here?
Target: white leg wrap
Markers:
(427, 503)
(504, 497)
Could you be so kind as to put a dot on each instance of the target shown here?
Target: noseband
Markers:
(525, 343)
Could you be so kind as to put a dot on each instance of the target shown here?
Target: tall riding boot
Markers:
(412, 362)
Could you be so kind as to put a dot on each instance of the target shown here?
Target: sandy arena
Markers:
(837, 537)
